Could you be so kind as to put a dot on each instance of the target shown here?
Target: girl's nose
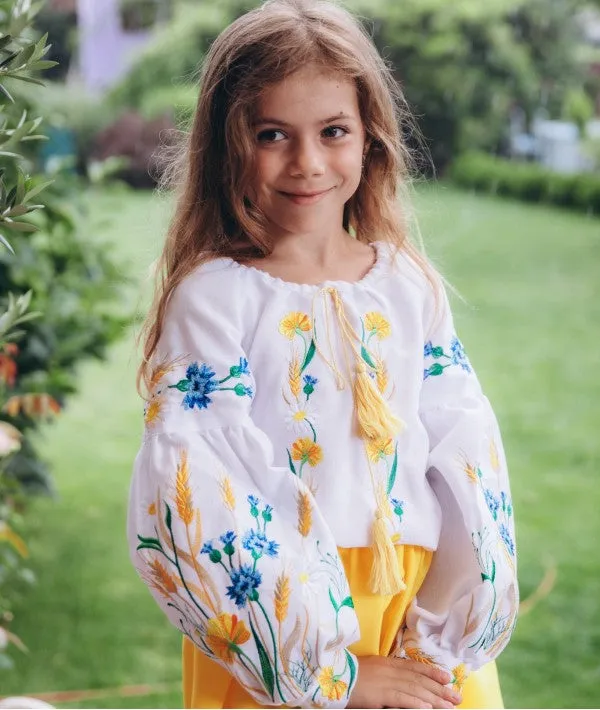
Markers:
(307, 161)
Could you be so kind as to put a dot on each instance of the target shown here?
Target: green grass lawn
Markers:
(530, 277)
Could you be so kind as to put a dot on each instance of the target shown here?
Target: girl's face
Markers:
(309, 142)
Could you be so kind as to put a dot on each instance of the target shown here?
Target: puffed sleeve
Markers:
(464, 614)
(233, 548)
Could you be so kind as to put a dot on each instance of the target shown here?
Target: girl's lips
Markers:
(305, 198)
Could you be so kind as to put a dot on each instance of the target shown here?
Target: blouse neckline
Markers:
(373, 273)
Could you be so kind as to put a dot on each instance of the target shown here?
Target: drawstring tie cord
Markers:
(375, 421)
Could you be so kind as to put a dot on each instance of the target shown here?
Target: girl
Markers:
(320, 503)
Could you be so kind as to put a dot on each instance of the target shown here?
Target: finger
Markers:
(441, 691)
(418, 697)
(432, 672)
(399, 699)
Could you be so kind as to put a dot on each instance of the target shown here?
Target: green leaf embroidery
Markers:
(265, 664)
(436, 369)
(352, 667)
(292, 467)
(392, 476)
(349, 602)
(309, 356)
(367, 358)
(168, 517)
(335, 606)
(438, 351)
(182, 385)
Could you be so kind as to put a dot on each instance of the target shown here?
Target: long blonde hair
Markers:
(213, 170)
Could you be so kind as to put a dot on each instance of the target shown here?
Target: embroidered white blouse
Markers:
(251, 474)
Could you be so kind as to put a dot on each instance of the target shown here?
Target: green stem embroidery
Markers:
(274, 649)
(312, 428)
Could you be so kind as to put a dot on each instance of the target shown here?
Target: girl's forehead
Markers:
(308, 91)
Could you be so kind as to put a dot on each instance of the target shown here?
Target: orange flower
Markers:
(307, 451)
(33, 405)
(379, 448)
(294, 323)
(224, 634)
(460, 676)
(331, 686)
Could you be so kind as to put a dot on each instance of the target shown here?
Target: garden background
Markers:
(519, 241)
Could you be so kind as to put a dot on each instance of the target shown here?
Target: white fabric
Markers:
(264, 388)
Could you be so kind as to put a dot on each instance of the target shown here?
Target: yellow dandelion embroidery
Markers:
(295, 376)
(307, 451)
(494, 458)
(377, 325)
(224, 634)
(415, 654)
(227, 493)
(379, 448)
(282, 597)
(304, 514)
(153, 411)
(162, 581)
(460, 676)
(294, 323)
(152, 509)
(331, 686)
(183, 497)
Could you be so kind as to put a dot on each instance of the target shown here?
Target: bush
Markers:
(526, 181)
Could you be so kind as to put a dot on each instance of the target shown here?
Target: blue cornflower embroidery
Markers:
(245, 582)
(228, 538)
(254, 501)
(200, 381)
(398, 506)
(492, 502)
(310, 383)
(457, 358)
(458, 354)
(207, 548)
(506, 537)
(258, 544)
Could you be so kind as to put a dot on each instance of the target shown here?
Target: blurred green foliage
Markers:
(527, 181)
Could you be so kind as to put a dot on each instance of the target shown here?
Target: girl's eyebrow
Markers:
(278, 122)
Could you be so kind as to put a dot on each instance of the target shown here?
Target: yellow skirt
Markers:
(207, 685)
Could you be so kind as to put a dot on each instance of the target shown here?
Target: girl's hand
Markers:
(399, 683)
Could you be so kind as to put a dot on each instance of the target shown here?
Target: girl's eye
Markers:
(335, 132)
(271, 135)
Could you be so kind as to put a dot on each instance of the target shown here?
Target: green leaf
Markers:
(41, 65)
(367, 358)
(292, 467)
(21, 226)
(437, 351)
(5, 41)
(182, 385)
(352, 667)
(265, 664)
(349, 602)
(4, 242)
(8, 60)
(168, 517)
(4, 90)
(36, 190)
(392, 476)
(309, 356)
(21, 77)
(332, 599)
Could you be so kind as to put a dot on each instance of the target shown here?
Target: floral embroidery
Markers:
(378, 449)
(307, 451)
(294, 324)
(235, 560)
(459, 676)
(224, 635)
(377, 325)
(200, 382)
(331, 686)
(500, 507)
(457, 357)
(301, 417)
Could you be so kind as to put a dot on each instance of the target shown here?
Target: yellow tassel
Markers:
(375, 420)
(386, 576)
